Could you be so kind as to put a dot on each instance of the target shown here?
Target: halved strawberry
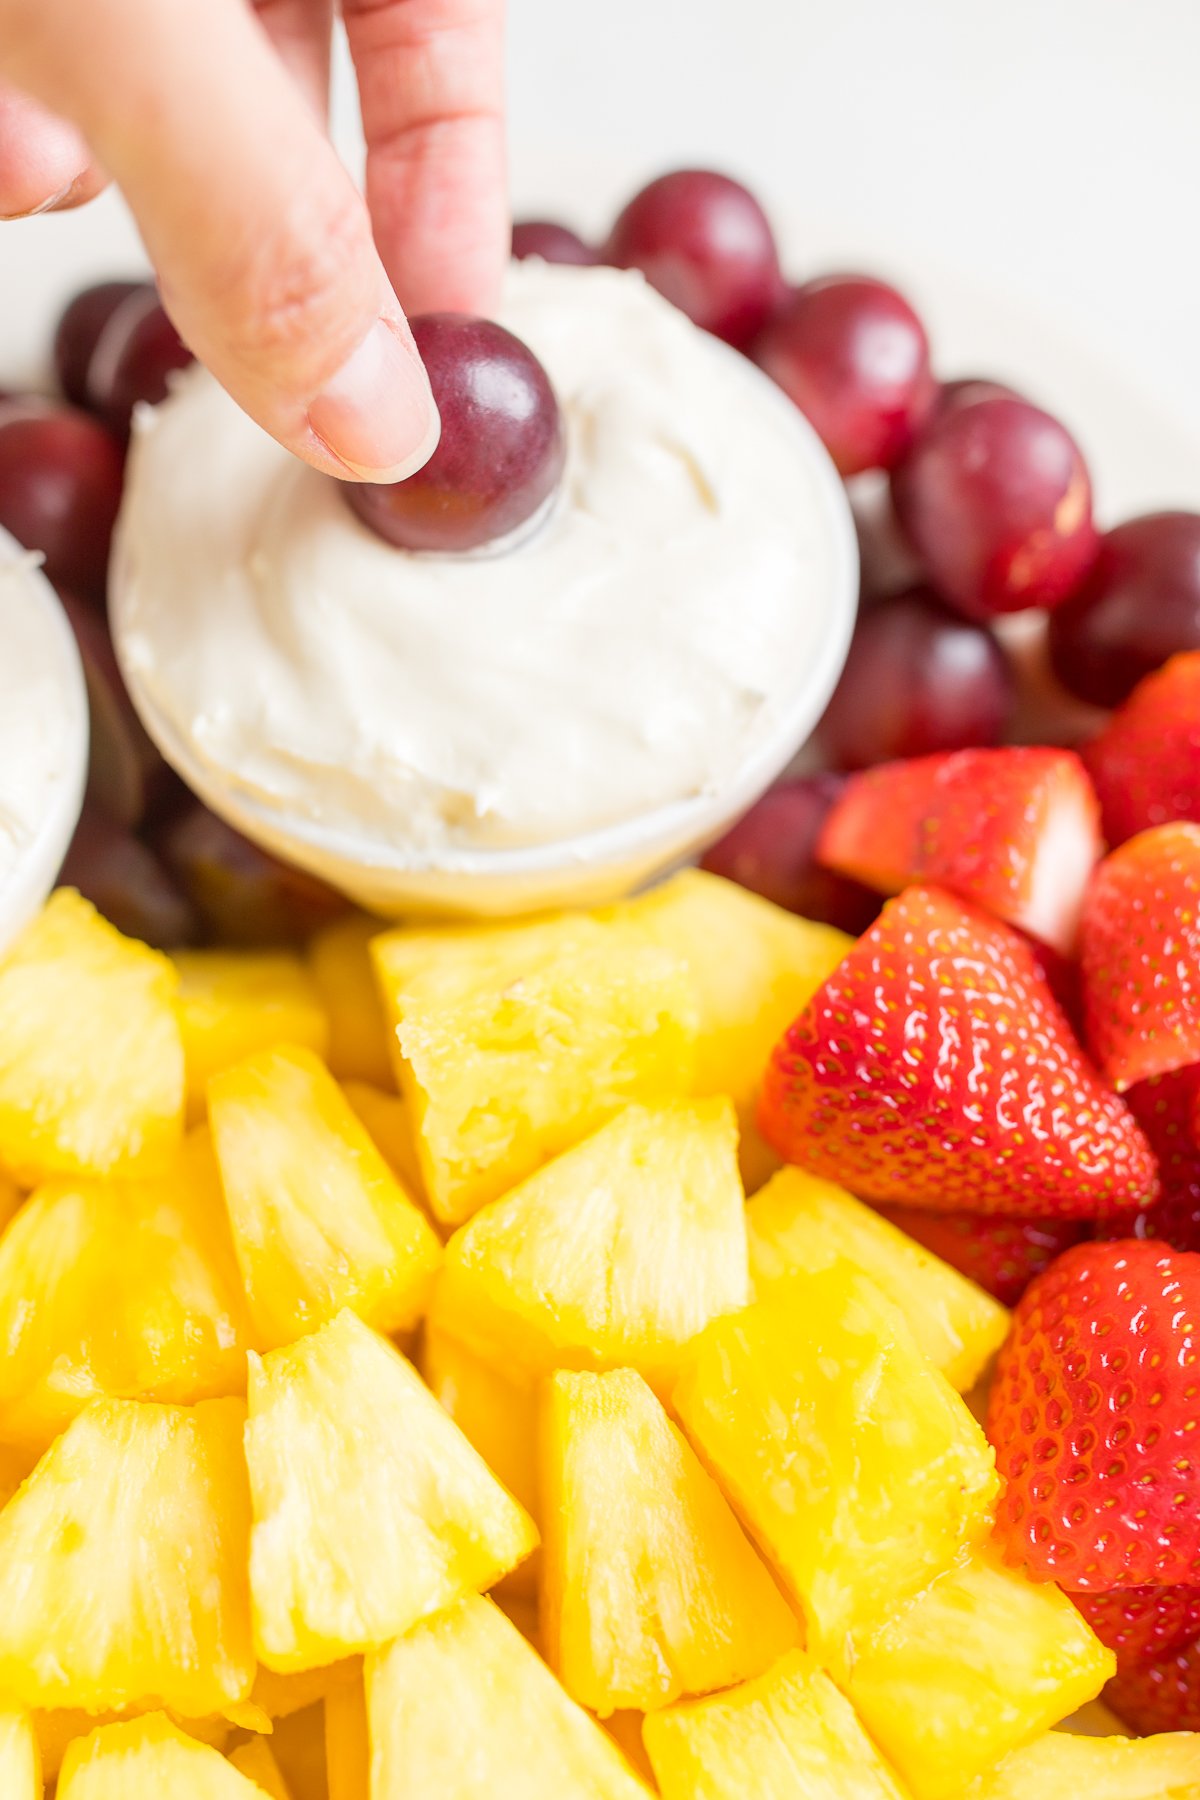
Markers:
(1140, 956)
(1092, 1417)
(1159, 1696)
(935, 1068)
(1145, 763)
(1166, 1107)
(1001, 1255)
(1017, 831)
(1142, 1624)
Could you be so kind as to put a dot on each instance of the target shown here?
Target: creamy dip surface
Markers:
(626, 653)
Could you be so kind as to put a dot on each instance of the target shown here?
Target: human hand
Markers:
(209, 114)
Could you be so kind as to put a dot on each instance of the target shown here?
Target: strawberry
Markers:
(1145, 763)
(1001, 1255)
(1017, 831)
(1140, 956)
(1092, 1416)
(1159, 1696)
(935, 1068)
(1166, 1107)
(1142, 1624)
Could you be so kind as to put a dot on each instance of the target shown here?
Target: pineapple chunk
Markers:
(385, 1118)
(57, 1731)
(625, 1730)
(91, 1060)
(347, 1746)
(125, 1288)
(462, 1707)
(319, 1220)
(1061, 1767)
(650, 1588)
(370, 1507)
(979, 1664)
(12, 1198)
(279, 1696)
(298, 1746)
(496, 1415)
(149, 1759)
(123, 1564)
(359, 1036)
(615, 1255)
(787, 1736)
(232, 1003)
(801, 1223)
(754, 967)
(855, 1464)
(255, 1761)
(20, 1762)
(516, 1041)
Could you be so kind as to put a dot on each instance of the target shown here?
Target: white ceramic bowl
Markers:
(596, 866)
(42, 780)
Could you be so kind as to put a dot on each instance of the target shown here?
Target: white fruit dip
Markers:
(628, 653)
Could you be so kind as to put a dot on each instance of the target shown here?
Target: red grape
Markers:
(60, 487)
(918, 679)
(1139, 606)
(502, 447)
(552, 242)
(968, 390)
(243, 895)
(79, 328)
(853, 355)
(135, 353)
(996, 499)
(771, 851)
(125, 771)
(885, 557)
(127, 883)
(705, 242)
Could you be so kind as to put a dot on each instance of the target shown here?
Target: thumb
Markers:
(262, 243)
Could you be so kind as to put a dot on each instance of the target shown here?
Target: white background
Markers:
(1027, 167)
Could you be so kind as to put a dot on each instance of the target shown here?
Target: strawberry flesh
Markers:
(1142, 1624)
(1166, 1107)
(1159, 1696)
(1016, 831)
(1140, 956)
(936, 1069)
(999, 1254)
(1145, 763)
(1092, 1416)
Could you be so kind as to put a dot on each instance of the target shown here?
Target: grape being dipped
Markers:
(1139, 606)
(60, 487)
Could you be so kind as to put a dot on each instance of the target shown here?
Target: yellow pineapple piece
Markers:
(91, 1061)
(754, 967)
(370, 1507)
(1061, 1767)
(126, 1288)
(461, 1707)
(123, 1564)
(319, 1220)
(20, 1760)
(801, 1223)
(255, 1761)
(347, 1745)
(852, 1460)
(12, 1198)
(614, 1255)
(650, 1589)
(789, 1735)
(279, 1696)
(522, 1610)
(516, 1041)
(359, 1034)
(498, 1416)
(57, 1731)
(385, 1118)
(234, 1002)
(298, 1746)
(149, 1757)
(625, 1730)
(980, 1663)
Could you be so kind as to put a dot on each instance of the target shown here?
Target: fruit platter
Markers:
(731, 1335)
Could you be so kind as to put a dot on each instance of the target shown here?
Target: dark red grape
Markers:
(553, 243)
(918, 679)
(1139, 606)
(771, 851)
(125, 771)
(79, 329)
(502, 447)
(705, 242)
(853, 355)
(243, 895)
(996, 499)
(968, 390)
(127, 883)
(134, 355)
(60, 487)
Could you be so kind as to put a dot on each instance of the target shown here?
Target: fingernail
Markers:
(377, 415)
(43, 206)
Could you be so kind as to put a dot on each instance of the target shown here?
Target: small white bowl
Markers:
(596, 866)
(45, 708)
